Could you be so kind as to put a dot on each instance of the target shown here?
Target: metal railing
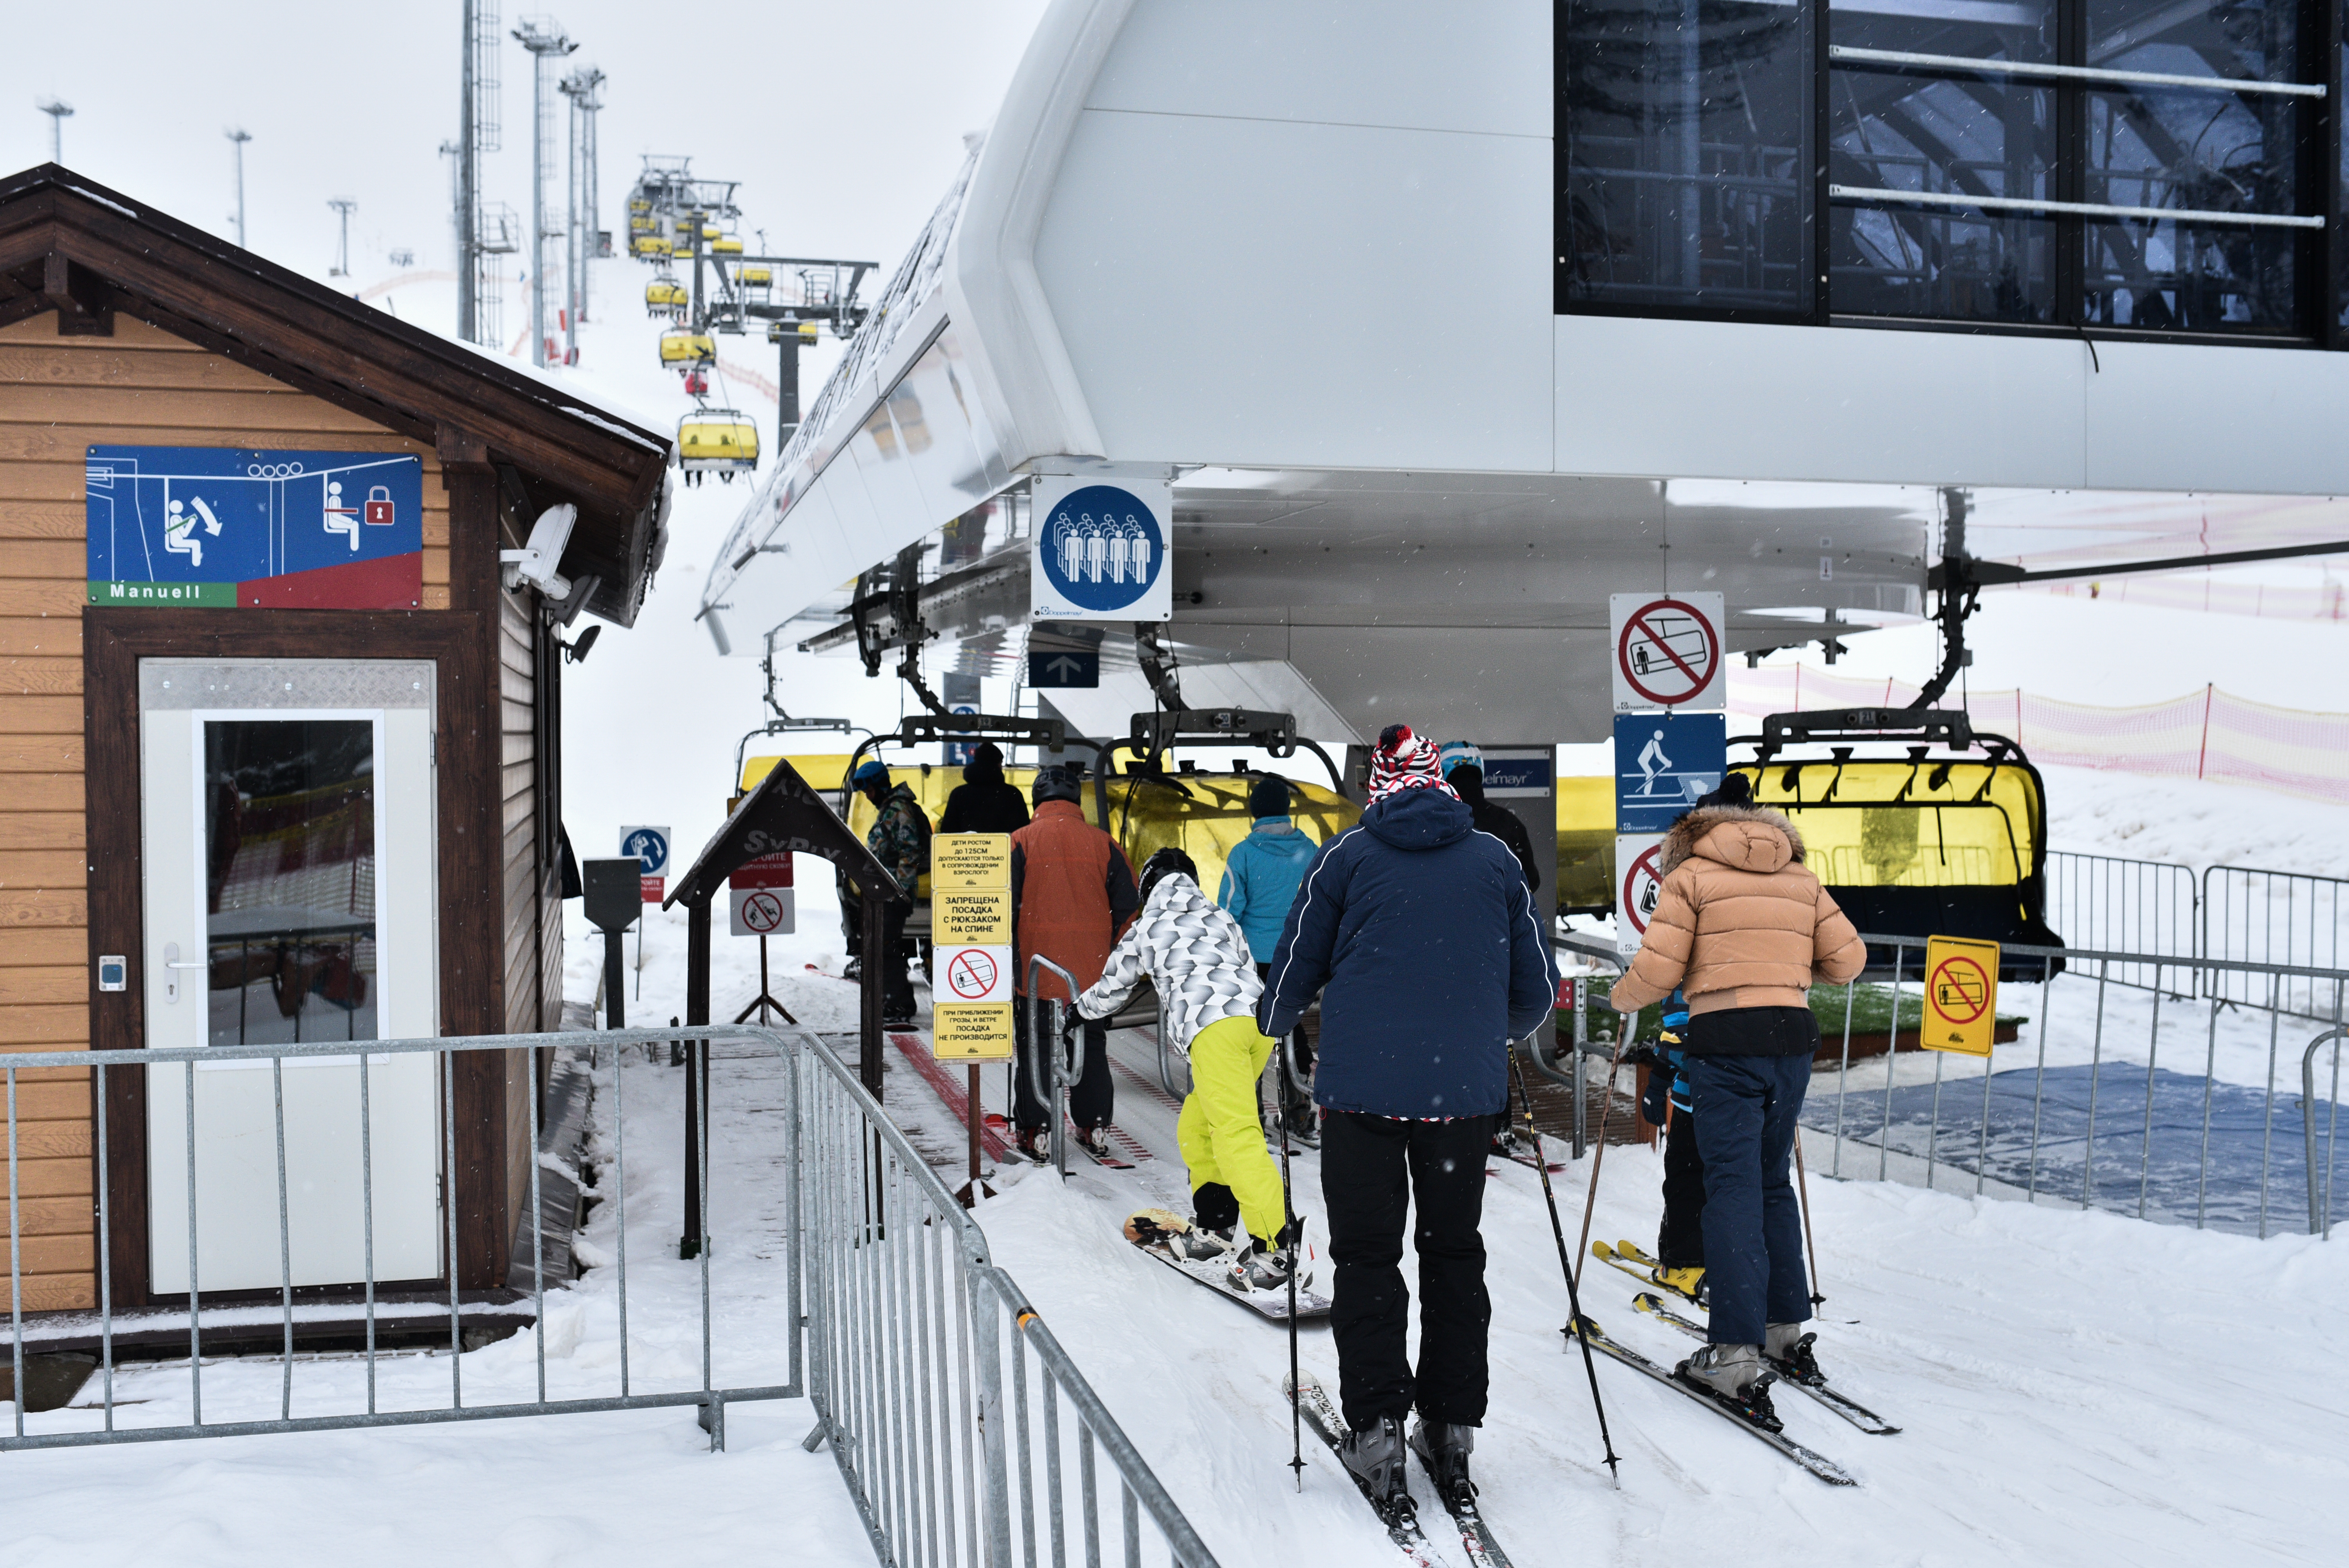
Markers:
(2285, 918)
(2195, 1146)
(912, 1338)
(2119, 905)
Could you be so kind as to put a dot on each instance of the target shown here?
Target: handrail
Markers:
(2157, 960)
(2091, 73)
(2074, 209)
(1037, 1045)
(2319, 1220)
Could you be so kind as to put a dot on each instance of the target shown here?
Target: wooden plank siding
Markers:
(59, 396)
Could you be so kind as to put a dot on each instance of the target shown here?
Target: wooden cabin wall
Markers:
(140, 386)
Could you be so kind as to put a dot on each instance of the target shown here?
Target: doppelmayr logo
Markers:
(1102, 550)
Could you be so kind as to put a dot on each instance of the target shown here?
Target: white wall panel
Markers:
(2206, 418)
(1482, 68)
(1257, 291)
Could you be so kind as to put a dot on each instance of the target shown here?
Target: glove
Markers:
(1071, 1022)
(1656, 1098)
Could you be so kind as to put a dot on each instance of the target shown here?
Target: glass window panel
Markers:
(1687, 186)
(289, 848)
(2201, 150)
(1932, 130)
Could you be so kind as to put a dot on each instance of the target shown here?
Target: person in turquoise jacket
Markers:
(1260, 881)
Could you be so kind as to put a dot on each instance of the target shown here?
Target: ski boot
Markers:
(1374, 1456)
(1687, 1284)
(1731, 1376)
(1443, 1448)
(1035, 1143)
(1788, 1351)
(1094, 1140)
(1304, 1120)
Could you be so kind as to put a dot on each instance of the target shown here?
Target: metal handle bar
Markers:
(1063, 1064)
(2319, 1219)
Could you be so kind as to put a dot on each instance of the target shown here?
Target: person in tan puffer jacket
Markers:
(1743, 928)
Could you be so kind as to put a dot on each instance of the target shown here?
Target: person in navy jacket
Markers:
(1420, 936)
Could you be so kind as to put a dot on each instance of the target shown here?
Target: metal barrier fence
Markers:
(2198, 1146)
(2287, 918)
(909, 1396)
(2118, 905)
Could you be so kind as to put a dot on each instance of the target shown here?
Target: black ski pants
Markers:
(1746, 1109)
(896, 958)
(1091, 1099)
(1374, 1170)
(1680, 1242)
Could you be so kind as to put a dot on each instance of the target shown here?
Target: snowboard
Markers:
(1146, 1226)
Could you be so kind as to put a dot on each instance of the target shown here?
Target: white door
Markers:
(289, 865)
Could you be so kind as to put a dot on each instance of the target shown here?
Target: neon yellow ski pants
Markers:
(1218, 1133)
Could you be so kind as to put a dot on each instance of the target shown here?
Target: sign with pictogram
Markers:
(1663, 763)
(1961, 995)
(1100, 551)
(649, 846)
(970, 921)
(1668, 650)
(1639, 883)
(975, 974)
(762, 911)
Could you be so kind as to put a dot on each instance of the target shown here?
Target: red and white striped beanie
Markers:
(1405, 761)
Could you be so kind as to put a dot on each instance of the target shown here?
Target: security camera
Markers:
(535, 563)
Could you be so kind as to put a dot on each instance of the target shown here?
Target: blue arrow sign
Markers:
(1063, 667)
(1664, 761)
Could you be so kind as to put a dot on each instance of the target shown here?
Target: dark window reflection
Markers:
(1942, 131)
(289, 841)
(2217, 150)
(1686, 185)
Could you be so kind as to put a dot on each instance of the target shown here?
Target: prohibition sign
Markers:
(762, 912)
(1960, 989)
(971, 973)
(1655, 658)
(1643, 871)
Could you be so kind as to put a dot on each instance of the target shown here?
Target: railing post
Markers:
(987, 1349)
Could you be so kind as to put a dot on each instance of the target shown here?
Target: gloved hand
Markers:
(1071, 1022)
(1656, 1100)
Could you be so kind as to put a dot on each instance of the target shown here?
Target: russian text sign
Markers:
(970, 924)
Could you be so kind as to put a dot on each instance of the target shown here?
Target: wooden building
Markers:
(267, 702)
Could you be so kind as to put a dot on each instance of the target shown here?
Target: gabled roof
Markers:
(69, 244)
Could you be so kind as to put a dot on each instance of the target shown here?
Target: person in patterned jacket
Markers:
(1197, 956)
(900, 840)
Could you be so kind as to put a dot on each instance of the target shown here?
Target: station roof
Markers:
(69, 244)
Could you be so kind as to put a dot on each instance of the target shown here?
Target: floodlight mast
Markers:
(57, 109)
(580, 88)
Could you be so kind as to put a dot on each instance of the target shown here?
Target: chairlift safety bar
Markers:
(2076, 209)
(1846, 54)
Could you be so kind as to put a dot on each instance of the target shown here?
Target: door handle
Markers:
(171, 966)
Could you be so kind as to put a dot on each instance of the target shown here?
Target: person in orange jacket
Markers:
(1071, 892)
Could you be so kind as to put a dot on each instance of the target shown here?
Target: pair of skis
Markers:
(1402, 1522)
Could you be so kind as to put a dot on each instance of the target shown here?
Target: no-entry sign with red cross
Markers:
(975, 974)
(762, 911)
(1961, 995)
(1668, 650)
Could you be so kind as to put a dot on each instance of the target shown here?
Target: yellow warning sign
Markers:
(963, 860)
(971, 1031)
(970, 917)
(1961, 994)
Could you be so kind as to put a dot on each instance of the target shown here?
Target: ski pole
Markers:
(1290, 1229)
(1803, 1187)
(1558, 1231)
(1598, 1156)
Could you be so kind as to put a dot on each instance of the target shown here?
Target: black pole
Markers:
(616, 982)
(872, 993)
(689, 1245)
(697, 962)
(1573, 1297)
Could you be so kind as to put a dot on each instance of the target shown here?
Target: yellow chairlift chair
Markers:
(680, 349)
(650, 247)
(665, 299)
(716, 440)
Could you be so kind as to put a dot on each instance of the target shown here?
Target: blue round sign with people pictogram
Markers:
(1102, 548)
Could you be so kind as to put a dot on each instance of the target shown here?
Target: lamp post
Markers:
(342, 206)
(544, 39)
(239, 136)
(57, 109)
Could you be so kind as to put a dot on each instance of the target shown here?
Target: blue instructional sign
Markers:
(1664, 761)
(1100, 551)
(1063, 667)
(231, 527)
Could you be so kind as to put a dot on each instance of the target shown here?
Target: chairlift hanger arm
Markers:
(1991, 573)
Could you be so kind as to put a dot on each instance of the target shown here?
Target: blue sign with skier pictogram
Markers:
(1664, 761)
(233, 528)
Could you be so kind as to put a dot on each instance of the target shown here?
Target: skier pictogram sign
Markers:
(1639, 884)
(1668, 650)
(1961, 995)
(762, 912)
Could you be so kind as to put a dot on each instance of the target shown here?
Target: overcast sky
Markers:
(843, 122)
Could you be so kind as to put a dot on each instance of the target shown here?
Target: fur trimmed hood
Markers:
(1743, 838)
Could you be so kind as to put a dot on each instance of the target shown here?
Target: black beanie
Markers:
(985, 764)
(1269, 796)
